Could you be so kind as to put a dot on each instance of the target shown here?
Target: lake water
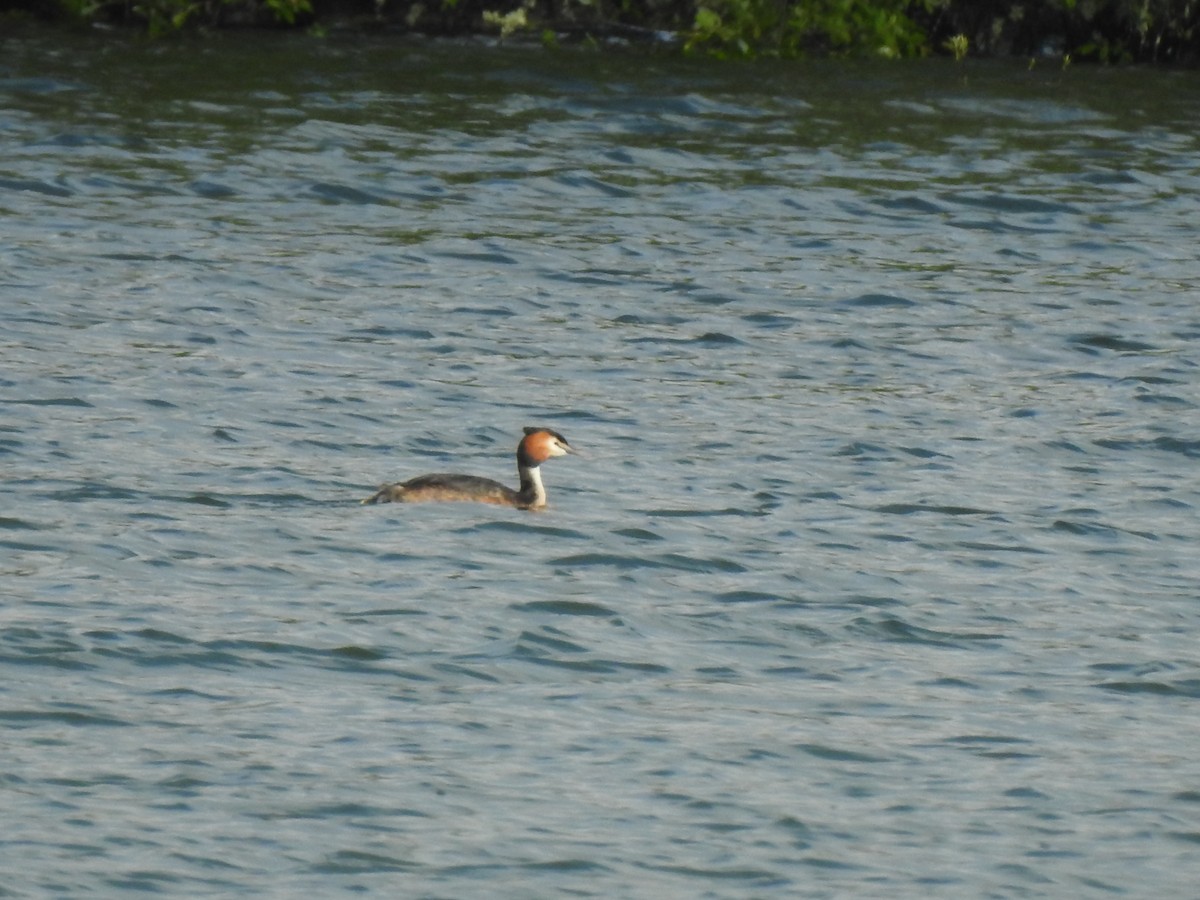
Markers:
(877, 575)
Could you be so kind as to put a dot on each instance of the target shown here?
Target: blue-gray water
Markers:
(879, 577)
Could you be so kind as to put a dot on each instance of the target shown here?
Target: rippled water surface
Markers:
(877, 575)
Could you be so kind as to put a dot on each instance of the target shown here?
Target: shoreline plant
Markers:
(1104, 31)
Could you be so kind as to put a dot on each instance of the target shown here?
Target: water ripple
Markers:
(879, 558)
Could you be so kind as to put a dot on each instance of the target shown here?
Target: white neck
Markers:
(539, 492)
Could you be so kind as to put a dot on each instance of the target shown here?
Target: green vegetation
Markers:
(1092, 30)
(958, 45)
(852, 27)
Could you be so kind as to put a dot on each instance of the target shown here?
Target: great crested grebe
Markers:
(538, 445)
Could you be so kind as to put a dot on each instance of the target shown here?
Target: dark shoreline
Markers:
(1116, 32)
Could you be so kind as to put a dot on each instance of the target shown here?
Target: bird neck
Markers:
(532, 492)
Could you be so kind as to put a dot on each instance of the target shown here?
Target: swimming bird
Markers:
(537, 446)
